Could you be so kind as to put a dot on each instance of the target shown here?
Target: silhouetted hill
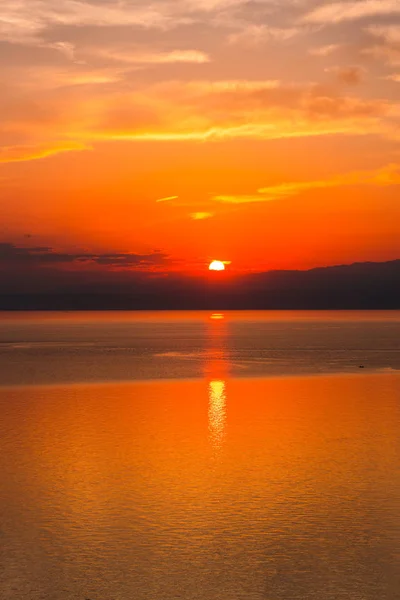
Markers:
(356, 286)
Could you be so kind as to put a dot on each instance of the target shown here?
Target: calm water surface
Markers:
(81, 347)
(274, 473)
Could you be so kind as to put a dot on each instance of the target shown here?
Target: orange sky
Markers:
(263, 133)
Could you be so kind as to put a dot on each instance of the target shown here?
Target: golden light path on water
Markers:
(217, 364)
(217, 412)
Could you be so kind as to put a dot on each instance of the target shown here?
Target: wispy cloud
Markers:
(389, 33)
(27, 153)
(255, 35)
(324, 50)
(201, 216)
(386, 43)
(139, 57)
(179, 111)
(389, 175)
(26, 21)
(338, 12)
(167, 199)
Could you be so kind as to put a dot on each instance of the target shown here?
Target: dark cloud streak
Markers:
(42, 256)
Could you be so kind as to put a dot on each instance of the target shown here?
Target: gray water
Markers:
(179, 456)
(74, 347)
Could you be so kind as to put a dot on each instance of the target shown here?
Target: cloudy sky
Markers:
(162, 134)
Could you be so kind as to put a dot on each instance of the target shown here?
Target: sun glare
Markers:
(217, 265)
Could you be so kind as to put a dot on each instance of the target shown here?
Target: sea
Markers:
(200, 455)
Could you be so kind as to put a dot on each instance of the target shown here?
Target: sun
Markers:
(217, 265)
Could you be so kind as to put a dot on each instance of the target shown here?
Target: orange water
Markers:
(216, 489)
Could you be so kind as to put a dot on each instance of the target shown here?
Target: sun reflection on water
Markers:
(217, 316)
(217, 371)
(217, 412)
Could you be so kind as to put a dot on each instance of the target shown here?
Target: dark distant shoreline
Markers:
(101, 304)
(361, 286)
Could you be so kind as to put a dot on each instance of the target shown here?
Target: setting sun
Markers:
(217, 265)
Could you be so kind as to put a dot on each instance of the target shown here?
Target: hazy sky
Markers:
(165, 133)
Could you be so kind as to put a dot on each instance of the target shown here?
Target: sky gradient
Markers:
(158, 136)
